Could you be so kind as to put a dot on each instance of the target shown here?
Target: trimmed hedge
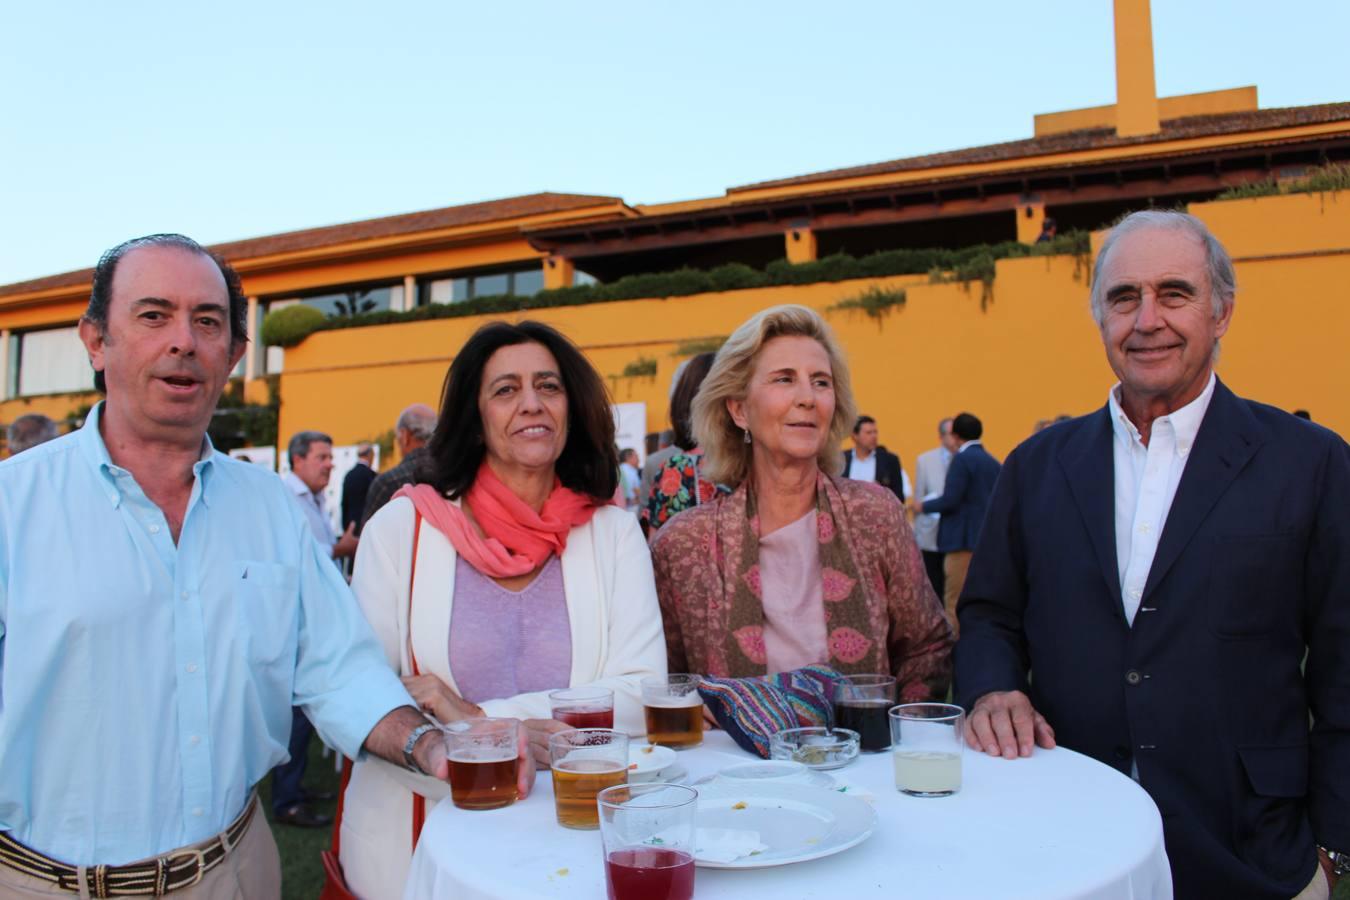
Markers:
(1331, 177)
(967, 264)
(290, 325)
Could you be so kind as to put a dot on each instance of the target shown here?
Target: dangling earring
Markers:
(747, 434)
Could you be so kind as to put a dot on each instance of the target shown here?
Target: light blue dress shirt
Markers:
(146, 687)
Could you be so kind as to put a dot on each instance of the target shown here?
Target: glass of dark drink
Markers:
(585, 761)
(483, 759)
(862, 704)
(583, 707)
(674, 710)
(648, 835)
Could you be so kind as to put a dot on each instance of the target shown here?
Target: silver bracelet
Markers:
(408, 759)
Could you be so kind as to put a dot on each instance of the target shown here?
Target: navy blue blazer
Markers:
(888, 471)
(965, 498)
(1206, 694)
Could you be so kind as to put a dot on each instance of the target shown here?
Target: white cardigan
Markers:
(617, 640)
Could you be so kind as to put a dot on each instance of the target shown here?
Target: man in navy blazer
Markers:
(965, 499)
(1152, 576)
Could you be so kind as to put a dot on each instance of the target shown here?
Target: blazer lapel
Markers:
(1088, 461)
(1228, 438)
(433, 588)
(585, 604)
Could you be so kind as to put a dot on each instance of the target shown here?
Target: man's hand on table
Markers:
(1003, 723)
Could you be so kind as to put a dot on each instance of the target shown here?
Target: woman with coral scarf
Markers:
(504, 575)
(796, 566)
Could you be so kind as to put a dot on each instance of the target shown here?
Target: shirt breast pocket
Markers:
(266, 599)
(1255, 584)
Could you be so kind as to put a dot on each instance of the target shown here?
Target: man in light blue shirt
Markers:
(162, 607)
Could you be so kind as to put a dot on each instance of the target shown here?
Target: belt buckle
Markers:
(198, 855)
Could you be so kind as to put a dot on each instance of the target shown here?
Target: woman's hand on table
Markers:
(1003, 723)
(436, 699)
(538, 732)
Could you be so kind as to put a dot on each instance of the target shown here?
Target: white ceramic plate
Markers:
(769, 771)
(797, 822)
(646, 761)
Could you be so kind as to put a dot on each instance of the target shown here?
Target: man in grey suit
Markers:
(930, 475)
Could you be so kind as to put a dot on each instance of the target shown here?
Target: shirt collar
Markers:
(114, 476)
(298, 487)
(962, 448)
(1185, 421)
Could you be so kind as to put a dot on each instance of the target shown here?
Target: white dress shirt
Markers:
(1146, 479)
(863, 469)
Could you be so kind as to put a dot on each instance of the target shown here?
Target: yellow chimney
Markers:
(1136, 92)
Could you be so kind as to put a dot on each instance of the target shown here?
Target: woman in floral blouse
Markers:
(795, 565)
(677, 484)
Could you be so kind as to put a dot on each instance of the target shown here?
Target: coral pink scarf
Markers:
(515, 539)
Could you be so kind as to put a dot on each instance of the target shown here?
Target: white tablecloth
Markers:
(1055, 825)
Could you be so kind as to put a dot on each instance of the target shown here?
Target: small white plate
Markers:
(769, 771)
(646, 761)
(798, 823)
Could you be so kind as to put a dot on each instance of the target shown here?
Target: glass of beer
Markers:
(585, 761)
(674, 710)
(927, 742)
(647, 831)
(583, 707)
(483, 756)
(860, 704)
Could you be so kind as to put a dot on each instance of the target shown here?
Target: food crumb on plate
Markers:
(564, 872)
(740, 805)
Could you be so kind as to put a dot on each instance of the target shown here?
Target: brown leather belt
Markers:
(170, 872)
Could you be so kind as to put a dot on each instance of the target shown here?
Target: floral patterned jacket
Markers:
(698, 553)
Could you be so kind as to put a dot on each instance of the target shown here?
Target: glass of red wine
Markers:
(648, 835)
(583, 707)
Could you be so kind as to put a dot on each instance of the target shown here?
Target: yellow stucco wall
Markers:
(1030, 353)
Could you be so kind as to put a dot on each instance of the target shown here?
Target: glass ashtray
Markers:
(815, 748)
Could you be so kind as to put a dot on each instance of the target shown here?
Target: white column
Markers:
(409, 292)
(251, 352)
(4, 364)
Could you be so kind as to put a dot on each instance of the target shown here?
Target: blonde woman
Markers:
(806, 567)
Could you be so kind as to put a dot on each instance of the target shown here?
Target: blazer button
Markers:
(1132, 677)
(1121, 753)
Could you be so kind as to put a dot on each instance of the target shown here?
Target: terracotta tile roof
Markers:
(388, 226)
(1086, 139)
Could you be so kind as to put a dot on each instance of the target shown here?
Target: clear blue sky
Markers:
(239, 119)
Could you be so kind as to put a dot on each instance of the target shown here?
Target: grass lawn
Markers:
(301, 870)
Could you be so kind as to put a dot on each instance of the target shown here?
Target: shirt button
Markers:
(185, 595)
(194, 740)
(1144, 529)
(154, 529)
(191, 667)
(197, 810)
(1132, 677)
(1134, 595)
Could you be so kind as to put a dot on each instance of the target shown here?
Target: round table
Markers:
(1056, 824)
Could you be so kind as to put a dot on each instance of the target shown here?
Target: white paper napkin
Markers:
(724, 845)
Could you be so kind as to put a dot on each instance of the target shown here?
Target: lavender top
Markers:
(504, 643)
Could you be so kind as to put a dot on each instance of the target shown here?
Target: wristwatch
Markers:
(408, 759)
(1340, 862)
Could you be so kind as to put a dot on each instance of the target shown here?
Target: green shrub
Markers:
(967, 264)
(1331, 177)
(699, 345)
(290, 325)
(875, 302)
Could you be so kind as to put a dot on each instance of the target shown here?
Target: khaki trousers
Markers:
(954, 567)
(251, 872)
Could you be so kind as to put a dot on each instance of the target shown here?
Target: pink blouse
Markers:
(794, 605)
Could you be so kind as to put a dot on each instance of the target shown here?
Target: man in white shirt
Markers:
(1164, 585)
(930, 474)
(311, 458)
(869, 461)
